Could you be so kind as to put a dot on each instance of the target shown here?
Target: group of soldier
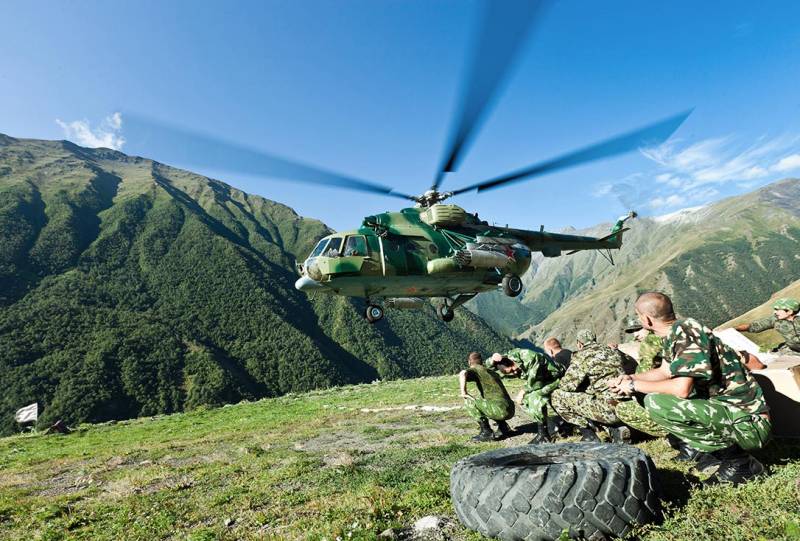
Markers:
(687, 386)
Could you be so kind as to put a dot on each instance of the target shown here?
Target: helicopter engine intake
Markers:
(483, 259)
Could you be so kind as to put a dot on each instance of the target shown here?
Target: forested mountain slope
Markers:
(716, 261)
(129, 288)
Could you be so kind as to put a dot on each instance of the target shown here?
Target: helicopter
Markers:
(400, 259)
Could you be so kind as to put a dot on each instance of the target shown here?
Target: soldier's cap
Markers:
(632, 324)
(585, 336)
(786, 303)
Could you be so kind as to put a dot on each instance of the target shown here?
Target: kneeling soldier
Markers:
(541, 375)
(493, 402)
(583, 395)
(702, 394)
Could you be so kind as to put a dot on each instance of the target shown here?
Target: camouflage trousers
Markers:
(635, 416)
(536, 403)
(708, 425)
(496, 410)
(580, 408)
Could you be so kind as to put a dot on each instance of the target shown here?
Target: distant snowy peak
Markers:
(687, 214)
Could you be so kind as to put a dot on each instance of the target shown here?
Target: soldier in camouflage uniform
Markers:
(632, 412)
(492, 403)
(785, 320)
(702, 394)
(541, 375)
(583, 394)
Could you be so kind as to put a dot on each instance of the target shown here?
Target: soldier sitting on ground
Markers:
(560, 355)
(583, 396)
(702, 393)
(785, 320)
(541, 375)
(492, 403)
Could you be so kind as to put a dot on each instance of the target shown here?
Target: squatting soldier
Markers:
(785, 320)
(632, 412)
(541, 376)
(493, 402)
(702, 393)
(583, 394)
(560, 355)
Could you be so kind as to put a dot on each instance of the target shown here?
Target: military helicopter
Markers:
(435, 250)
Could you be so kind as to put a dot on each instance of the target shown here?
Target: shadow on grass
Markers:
(779, 452)
(675, 487)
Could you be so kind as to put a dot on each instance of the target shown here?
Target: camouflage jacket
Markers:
(538, 369)
(693, 351)
(488, 382)
(590, 368)
(650, 353)
(790, 330)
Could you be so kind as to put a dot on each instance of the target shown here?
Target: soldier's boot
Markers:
(542, 434)
(736, 467)
(619, 434)
(503, 431)
(589, 435)
(486, 433)
(704, 462)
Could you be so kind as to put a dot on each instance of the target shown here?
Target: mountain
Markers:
(131, 288)
(771, 338)
(716, 262)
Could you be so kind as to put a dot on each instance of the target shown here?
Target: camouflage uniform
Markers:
(494, 402)
(726, 405)
(583, 394)
(541, 375)
(790, 330)
(631, 412)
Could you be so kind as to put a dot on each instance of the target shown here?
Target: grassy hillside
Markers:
(716, 262)
(130, 288)
(345, 463)
(771, 338)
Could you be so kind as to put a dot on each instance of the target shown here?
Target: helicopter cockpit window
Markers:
(334, 247)
(318, 248)
(355, 245)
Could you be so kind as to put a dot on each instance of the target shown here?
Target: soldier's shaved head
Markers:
(475, 358)
(656, 306)
(552, 342)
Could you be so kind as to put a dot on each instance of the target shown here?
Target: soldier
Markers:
(785, 320)
(493, 402)
(541, 376)
(632, 412)
(560, 355)
(583, 395)
(702, 394)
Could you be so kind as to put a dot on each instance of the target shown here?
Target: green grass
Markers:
(313, 466)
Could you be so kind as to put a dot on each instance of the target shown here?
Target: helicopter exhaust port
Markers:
(405, 303)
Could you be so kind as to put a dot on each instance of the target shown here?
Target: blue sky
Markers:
(368, 88)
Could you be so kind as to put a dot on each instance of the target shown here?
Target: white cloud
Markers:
(108, 134)
(788, 163)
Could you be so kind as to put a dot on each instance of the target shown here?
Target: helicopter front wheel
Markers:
(512, 285)
(445, 312)
(374, 313)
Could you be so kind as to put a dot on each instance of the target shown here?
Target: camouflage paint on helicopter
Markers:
(439, 251)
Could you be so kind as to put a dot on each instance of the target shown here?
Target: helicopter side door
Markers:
(356, 257)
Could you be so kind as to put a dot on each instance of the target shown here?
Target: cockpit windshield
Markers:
(319, 248)
(333, 248)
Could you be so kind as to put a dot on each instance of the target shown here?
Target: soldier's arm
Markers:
(680, 387)
(759, 325)
(574, 375)
(462, 380)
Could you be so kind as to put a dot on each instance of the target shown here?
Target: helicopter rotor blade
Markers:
(504, 27)
(653, 134)
(189, 147)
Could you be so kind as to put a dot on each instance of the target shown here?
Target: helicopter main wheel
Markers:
(373, 313)
(445, 312)
(512, 285)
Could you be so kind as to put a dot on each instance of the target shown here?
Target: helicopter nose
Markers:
(304, 283)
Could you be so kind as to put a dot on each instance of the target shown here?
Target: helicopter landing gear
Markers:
(445, 312)
(512, 285)
(373, 313)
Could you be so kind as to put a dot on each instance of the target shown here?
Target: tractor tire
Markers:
(534, 492)
(512, 285)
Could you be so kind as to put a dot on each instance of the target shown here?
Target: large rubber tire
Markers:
(445, 313)
(596, 491)
(512, 285)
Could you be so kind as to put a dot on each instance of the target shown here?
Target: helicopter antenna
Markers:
(504, 27)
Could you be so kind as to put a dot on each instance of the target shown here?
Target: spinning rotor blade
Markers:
(654, 134)
(504, 27)
(202, 150)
